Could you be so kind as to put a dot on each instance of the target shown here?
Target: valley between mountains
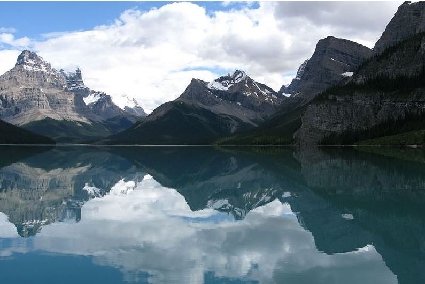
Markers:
(345, 93)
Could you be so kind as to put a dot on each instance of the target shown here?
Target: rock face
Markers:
(49, 102)
(358, 112)
(135, 109)
(385, 97)
(408, 21)
(205, 112)
(32, 91)
(333, 60)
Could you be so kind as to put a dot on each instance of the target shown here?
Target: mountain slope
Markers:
(68, 131)
(178, 123)
(205, 112)
(11, 134)
(385, 97)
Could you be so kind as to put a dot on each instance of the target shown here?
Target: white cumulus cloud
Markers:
(152, 55)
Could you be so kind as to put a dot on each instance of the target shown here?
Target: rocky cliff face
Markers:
(387, 89)
(333, 60)
(408, 21)
(58, 104)
(360, 111)
(32, 91)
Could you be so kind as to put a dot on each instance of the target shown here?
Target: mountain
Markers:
(11, 134)
(383, 100)
(100, 103)
(380, 100)
(204, 112)
(333, 60)
(408, 21)
(234, 94)
(37, 97)
(33, 91)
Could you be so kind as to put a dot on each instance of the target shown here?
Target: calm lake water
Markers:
(200, 215)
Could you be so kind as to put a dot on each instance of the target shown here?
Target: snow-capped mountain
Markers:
(131, 106)
(204, 112)
(33, 91)
(236, 95)
(47, 101)
(100, 103)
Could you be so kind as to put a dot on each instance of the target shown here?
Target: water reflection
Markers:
(198, 215)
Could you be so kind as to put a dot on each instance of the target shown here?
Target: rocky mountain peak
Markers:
(30, 61)
(407, 21)
(74, 80)
(233, 94)
(224, 83)
(333, 60)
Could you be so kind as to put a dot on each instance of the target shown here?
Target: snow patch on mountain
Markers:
(347, 74)
(225, 82)
(30, 61)
(217, 86)
(74, 80)
(219, 204)
(124, 101)
(92, 98)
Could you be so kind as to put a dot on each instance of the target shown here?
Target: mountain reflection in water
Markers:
(201, 215)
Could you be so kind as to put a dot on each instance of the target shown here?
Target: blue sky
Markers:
(33, 19)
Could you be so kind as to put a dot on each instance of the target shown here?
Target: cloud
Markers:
(152, 55)
(7, 30)
(360, 21)
(161, 236)
(9, 39)
(8, 59)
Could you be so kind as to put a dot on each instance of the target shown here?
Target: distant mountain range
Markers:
(205, 112)
(345, 93)
(56, 104)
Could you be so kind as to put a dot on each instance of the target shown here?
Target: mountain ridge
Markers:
(204, 112)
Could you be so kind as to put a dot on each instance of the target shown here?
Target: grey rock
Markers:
(36, 96)
(105, 108)
(407, 21)
(333, 60)
(32, 91)
(362, 106)
(136, 111)
(236, 95)
(357, 112)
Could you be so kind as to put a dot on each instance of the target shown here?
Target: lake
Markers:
(206, 215)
